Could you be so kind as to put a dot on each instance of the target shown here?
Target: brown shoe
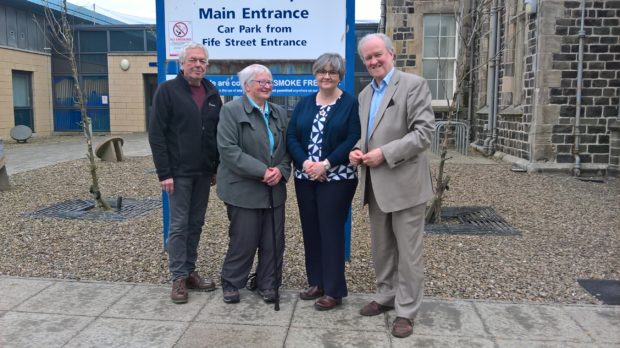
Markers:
(373, 308)
(326, 303)
(195, 282)
(179, 290)
(311, 293)
(402, 327)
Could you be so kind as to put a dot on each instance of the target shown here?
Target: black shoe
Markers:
(268, 295)
(231, 293)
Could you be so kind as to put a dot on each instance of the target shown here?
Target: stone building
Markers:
(521, 98)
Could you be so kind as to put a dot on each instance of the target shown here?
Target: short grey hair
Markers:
(189, 46)
(333, 59)
(249, 73)
(386, 41)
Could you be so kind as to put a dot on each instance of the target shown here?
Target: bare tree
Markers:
(469, 23)
(62, 41)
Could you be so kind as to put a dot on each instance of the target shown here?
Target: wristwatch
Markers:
(326, 165)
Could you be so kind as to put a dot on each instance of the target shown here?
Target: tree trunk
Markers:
(64, 34)
(433, 213)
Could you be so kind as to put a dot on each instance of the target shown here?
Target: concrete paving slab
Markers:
(530, 322)
(93, 314)
(153, 303)
(16, 290)
(541, 344)
(336, 337)
(75, 298)
(425, 341)
(110, 333)
(605, 345)
(252, 310)
(445, 318)
(21, 329)
(344, 317)
(602, 323)
(225, 335)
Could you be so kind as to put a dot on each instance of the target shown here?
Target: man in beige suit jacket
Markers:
(397, 124)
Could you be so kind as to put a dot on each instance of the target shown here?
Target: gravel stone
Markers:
(570, 230)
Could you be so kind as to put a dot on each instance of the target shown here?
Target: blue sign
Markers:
(283, 85)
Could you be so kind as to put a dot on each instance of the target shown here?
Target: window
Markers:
(22, 98)
(151, 41)
(127, 40)
(93, 63)
(93, 41)
(439, 54)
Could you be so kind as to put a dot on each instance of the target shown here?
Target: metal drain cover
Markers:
(471, 220)
(83, 209)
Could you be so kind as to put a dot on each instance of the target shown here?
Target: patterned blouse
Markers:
(339, 172)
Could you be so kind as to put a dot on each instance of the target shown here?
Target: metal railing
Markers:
(459, 135)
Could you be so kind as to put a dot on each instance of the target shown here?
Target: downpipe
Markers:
(576, 130)
(489, 141)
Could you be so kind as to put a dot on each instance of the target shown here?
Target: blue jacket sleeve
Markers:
(294, 133)
(340, 154)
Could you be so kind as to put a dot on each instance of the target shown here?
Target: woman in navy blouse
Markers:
(322, 131)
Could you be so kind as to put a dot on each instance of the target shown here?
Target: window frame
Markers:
(30, 107)
(438, 57)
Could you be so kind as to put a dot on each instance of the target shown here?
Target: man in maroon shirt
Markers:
(182, 135)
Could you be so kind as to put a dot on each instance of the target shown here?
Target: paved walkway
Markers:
(45, 152)
(58, 313)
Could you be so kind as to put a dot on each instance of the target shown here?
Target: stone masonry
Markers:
(601, 79)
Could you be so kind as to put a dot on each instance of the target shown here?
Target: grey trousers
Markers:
(397, 239)
(250, 229)
(188, 205)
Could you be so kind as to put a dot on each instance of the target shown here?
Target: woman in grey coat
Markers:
(253, 161)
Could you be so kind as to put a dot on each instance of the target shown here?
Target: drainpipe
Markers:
(576, 130)
(491, 79)
(382, 19)
(470, 84)
(495, 86)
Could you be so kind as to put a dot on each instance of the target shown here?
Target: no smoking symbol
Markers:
(179, 29)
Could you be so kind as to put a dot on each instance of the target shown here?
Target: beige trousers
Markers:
(397, 239)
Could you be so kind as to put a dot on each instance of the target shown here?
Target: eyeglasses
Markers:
(196, 61)
(264, 83)
(327, 72)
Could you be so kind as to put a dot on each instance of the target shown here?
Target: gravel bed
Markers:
(570, 230)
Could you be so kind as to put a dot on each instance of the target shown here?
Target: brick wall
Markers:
(39, 65)
(514, 128)
(127, 94)
(403, 28)
(601, 79)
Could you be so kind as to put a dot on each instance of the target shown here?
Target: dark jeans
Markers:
(323, 210)
(188, 205)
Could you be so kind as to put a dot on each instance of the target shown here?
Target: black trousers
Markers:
(323, 209)
(250, 230)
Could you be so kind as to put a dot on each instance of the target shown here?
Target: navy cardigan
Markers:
(340, 133)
